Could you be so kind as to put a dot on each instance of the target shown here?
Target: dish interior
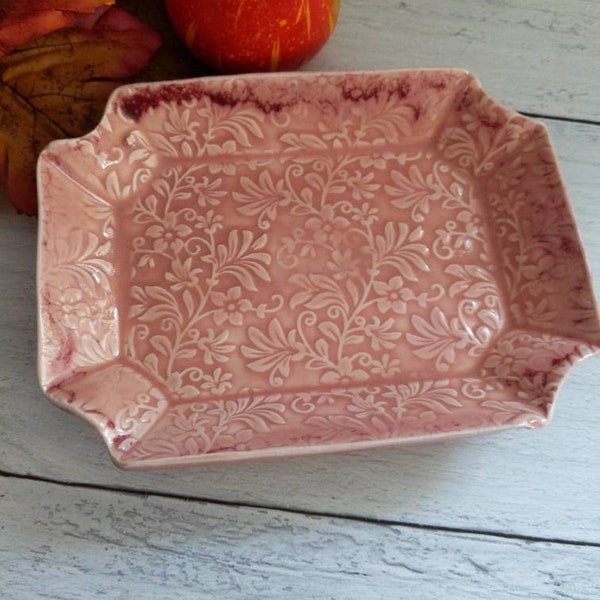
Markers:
(236, 267)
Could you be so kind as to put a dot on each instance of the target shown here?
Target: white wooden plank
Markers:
(66, 543)
(506, 482)
(538, 56)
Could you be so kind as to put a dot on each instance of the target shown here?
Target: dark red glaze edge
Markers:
(134, 105)
(137, 104)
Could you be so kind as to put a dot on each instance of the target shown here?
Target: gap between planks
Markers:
(541, 116)
(309, 513)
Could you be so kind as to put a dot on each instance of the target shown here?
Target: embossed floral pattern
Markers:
(309, 260)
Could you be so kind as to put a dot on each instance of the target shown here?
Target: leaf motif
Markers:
(151, 360)
(414, 191)
(324, 299)
(300, 298)
(153, 302)
(240, 258)
(456, 142)
(315, 181)
(257, 413)
(240, 123)
(457, 288)
(437, 339)
(355, 339)
(486, 137)
(78, 256)
(434, 329)
(394, 235)
(56, 86)
(437, 396)
(392, 249)
(302, 141)
(322, 349)
(164, 145)
(161, 344)
(330, 330)
(474, 282)
(188, 300)
(272, 351)
(327, 428)
(262, 197)
(353, 289)
(319, 291)
(96, 349)
(20, 21)
(383, 335)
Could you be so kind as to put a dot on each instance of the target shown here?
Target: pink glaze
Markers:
(263, 265)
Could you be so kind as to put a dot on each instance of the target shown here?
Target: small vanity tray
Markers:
(269, 265)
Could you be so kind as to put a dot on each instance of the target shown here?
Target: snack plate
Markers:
(269, 265)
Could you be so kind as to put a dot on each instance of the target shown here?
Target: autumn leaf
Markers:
(172, 60)
(20, 21)
(56, 86)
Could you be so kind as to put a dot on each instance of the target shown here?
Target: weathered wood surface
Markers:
(66, 542)
(455, 520)
(507, 482)
(538, 56)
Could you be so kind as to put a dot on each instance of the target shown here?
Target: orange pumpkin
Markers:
(234, 36)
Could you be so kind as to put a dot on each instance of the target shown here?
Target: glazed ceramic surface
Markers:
(262, 265)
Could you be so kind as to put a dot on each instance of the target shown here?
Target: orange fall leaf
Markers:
(56, 86)
(22, 20)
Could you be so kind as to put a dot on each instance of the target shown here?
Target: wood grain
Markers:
(67, 543)
(455, 521)
(504, 483)
(540, 57)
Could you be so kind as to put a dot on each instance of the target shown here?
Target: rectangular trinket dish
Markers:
(239, 267)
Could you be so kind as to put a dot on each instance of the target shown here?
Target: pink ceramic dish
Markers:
(286, 264)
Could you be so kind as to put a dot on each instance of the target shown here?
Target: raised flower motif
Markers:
(508, 359)
(231, 306)
(74, 307)
(472, 223)
(377, 160)
(392, 294)
(544, 273)
(168, 233)
(327, 227)
(366, 215)
(343, 265)
(345, 373)
(217, 383)
(386, 367)
(210, 222)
